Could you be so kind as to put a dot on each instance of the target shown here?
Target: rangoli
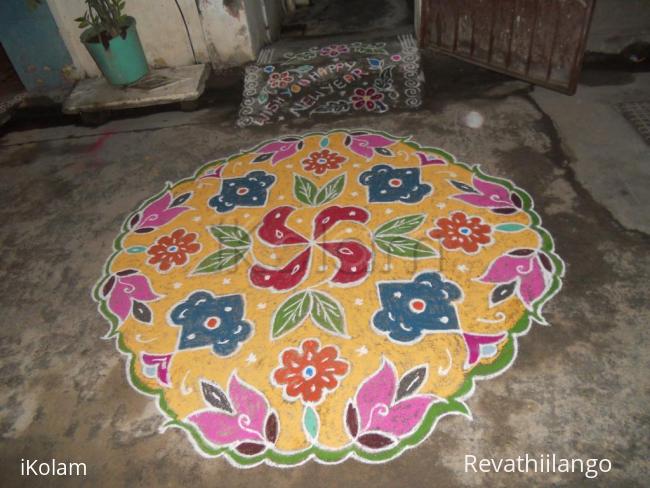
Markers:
(325, 296)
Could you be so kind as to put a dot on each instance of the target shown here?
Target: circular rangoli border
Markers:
(454, 405)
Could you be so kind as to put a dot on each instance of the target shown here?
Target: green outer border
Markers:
(454, 405)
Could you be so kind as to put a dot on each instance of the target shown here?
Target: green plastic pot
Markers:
(123, 62)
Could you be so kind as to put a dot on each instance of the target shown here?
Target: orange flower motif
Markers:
(173, 250)
(459, 231)
(321, 161)
(311, 373)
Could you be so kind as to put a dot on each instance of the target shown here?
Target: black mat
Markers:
(332, 78)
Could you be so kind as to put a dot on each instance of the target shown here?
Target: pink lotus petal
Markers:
(161, 362)
(498, 192)
(506, 268)
(222, 428)
(402, 417)
(159, 219)
(249, 402)
(363, 145)
(473, 343)
(271, 147)
(376, 391)
(426, 161)
(281, 150)
(157, 206)
(138, 287)
(532, 285)
(487, 201)
(120, 302)
(285, 153)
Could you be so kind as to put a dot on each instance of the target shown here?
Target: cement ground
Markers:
(579, 388)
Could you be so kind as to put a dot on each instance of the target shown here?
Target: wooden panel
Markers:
(541, 41)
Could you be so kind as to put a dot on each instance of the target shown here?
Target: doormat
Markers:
(638, 114)
(332, 79)
(325, 296)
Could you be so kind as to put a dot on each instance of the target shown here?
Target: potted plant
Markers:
(112, 41)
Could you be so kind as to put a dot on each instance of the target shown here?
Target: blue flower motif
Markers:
(209, 320)
(410, 309)
(247, 191)
(388, 184)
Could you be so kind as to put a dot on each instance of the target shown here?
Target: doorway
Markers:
(325, 18)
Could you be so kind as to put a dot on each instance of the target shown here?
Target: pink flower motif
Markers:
(425, 160)
(477, 344)
(241, 417)
(365, 145)
(126, 292)
(334, 50)
(280, 80)
(157, 365)
(524, 271)
(384, 410)
(490, 195)
(278, 150)
(159, 212)
(354, 257)
(368, 99)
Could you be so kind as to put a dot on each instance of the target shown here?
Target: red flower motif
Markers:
(320, 161)
(310, 373)
(367, 98)
(280, 80)
(459, 231)
(353, 257)
(173, 250)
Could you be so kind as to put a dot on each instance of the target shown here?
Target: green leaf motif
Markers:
(310, 421)
(404, 247)
(220, 260)
(231, 235)
(331, 190)
(291, 314)
(510, 227)
(304, 189)
(401, 225)
(327, 313)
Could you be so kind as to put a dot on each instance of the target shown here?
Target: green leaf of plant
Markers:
(220, 260)
(331, 190)
(327, 313)
(231, 235)
(401, 225)
(304, 189)
(290, 314)
(404, 247)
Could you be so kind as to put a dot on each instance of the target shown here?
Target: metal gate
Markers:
(540, 41)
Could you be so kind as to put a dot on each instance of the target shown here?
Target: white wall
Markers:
(223, 32)
(160, 27)
(227, 33)
(617, 23)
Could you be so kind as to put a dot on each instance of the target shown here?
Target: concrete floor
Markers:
(579, 388)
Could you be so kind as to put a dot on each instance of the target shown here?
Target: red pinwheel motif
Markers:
(353, 257)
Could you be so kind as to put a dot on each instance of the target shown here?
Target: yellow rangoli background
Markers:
(363, 347)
